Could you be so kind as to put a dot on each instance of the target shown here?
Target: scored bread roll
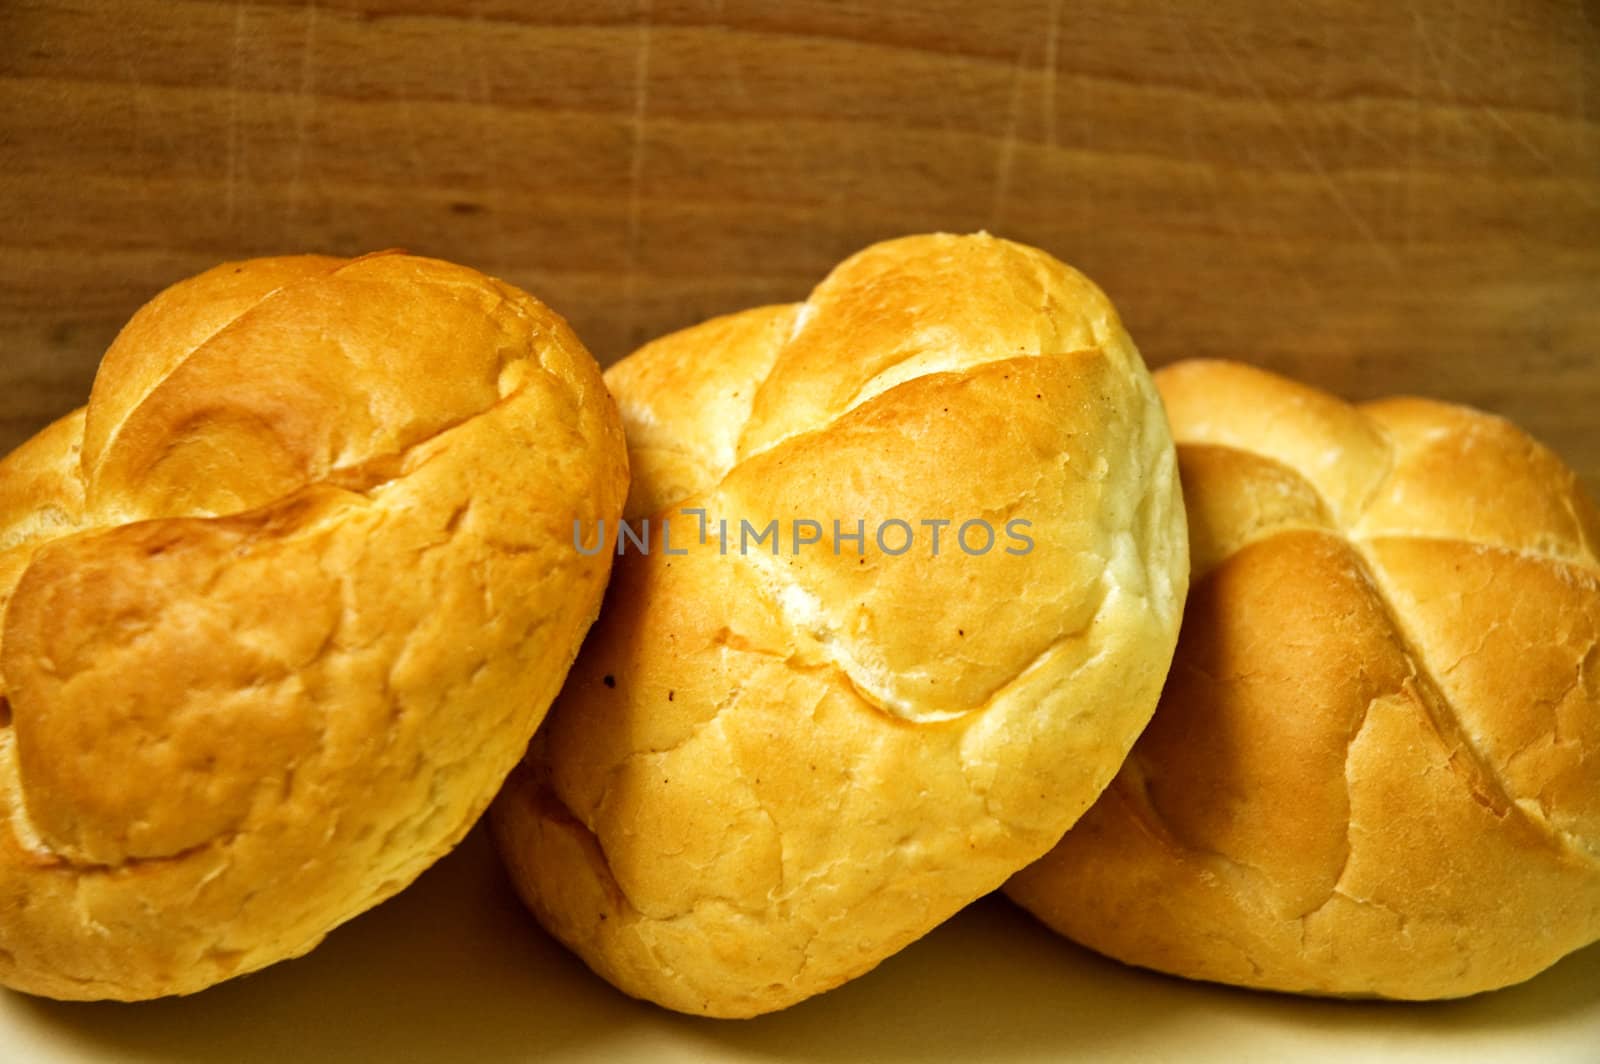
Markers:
(768, 772)
(1375, 769)
(282, 606)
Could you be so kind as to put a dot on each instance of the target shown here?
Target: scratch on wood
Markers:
(1413, 134)
(230, 193)
(493, 159)
(141, 105)
(640, 117)
(1052, 40)
(1006, 156)
(306, 101)
(1520, 137)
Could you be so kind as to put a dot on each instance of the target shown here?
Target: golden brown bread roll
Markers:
(1375, 769)
(769, 772)
(282, 606)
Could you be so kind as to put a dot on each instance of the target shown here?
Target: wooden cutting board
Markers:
(1377, 197)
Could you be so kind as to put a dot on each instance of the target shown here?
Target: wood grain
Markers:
(1377, 197)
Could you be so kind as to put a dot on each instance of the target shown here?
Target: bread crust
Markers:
(282, 607)
(1373, 771)
(768, 773)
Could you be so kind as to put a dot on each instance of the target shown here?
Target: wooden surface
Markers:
(1378, 197)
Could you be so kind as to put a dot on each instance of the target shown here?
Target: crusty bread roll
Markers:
(769, 772)
(1375, 769)
(282, 606)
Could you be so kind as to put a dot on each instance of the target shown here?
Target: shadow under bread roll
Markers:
(1375, 769)
(282, 606)
(778, 762)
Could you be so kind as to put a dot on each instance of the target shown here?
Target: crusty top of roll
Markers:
(282, 605)
(767, 773)
(1376, 766)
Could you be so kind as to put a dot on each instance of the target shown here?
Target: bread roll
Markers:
(1375, 769)
(770, 771)
(282, 606)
